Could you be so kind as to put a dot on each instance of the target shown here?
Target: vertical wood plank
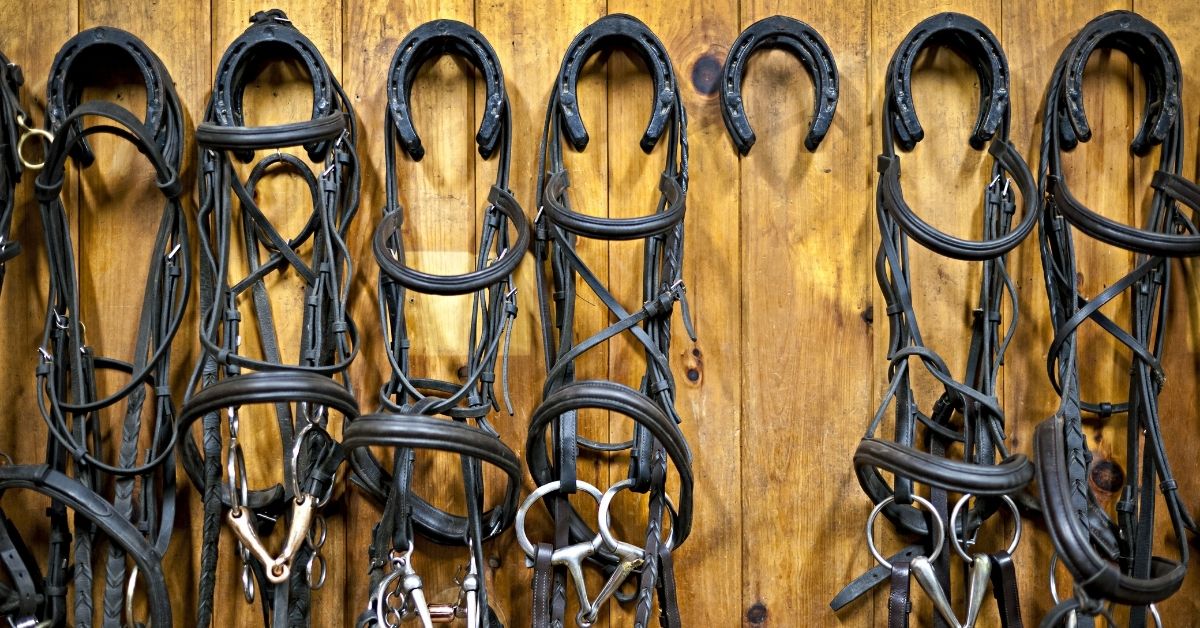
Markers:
(282, 92)
(29, 39)
(696, 37)
(118, 192)
(529, 70)
(1178, 407)
(439, 203)
(806, 235)
(1100, 173)
(944, 181)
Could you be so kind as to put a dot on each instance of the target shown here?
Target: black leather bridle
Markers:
(657, 436)
(409, 404)
(967, 415)
(1113, 561)
(70, 400)
(302, 394)
(14, 122)
(36, 598)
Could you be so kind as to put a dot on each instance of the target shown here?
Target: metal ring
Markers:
(603, 521)
(308, 571)
(1054, 579)
(43, 134)
(1155, 616)
(383, 610)
(315, 540)
(247, 583)
(538, 493)
(954, 542)
(130, 587)
(937, 520)
(235, 468)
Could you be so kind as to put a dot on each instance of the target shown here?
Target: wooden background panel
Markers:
(119, 192)
(22, 433)
(529, 73)
(1099, 169)
(1179, 405)
(278, 91)
(790, 360)
(807, 227)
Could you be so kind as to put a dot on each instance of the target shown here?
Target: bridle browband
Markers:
(70, 400)
(968, 411)
(652, 407)
(408, 405)
(302, 394)
(1113, 562)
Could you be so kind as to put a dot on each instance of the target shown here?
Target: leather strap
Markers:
(872, 578)
(899, 604)
(543, 579)
(1004, 589)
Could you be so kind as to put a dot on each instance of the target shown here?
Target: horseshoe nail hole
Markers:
(463, 372)
(693, 375)
(696, 353)
(706, 74)
(757, 613)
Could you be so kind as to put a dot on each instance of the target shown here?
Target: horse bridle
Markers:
(70, 400)
(968, 411)
(15, 129)
(408, 404)
(1113, 562)
(303, 394)
(656, 434)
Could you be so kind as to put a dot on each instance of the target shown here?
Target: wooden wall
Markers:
(790, 359)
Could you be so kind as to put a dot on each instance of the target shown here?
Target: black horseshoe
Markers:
(979, 45)
(268, 29)
(426, 43)
(800, 39)
(1146, 45)
(607, 32)
(62, 96)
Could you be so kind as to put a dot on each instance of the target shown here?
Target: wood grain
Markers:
(806, 234)
(790, 360)
(280, 92)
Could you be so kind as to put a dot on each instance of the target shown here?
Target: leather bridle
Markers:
(302, 394)
(968, 413)
(1113, 561)
(36, 602)
(409, 404)
(70, 401)
(14, 125)
(652, 406)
